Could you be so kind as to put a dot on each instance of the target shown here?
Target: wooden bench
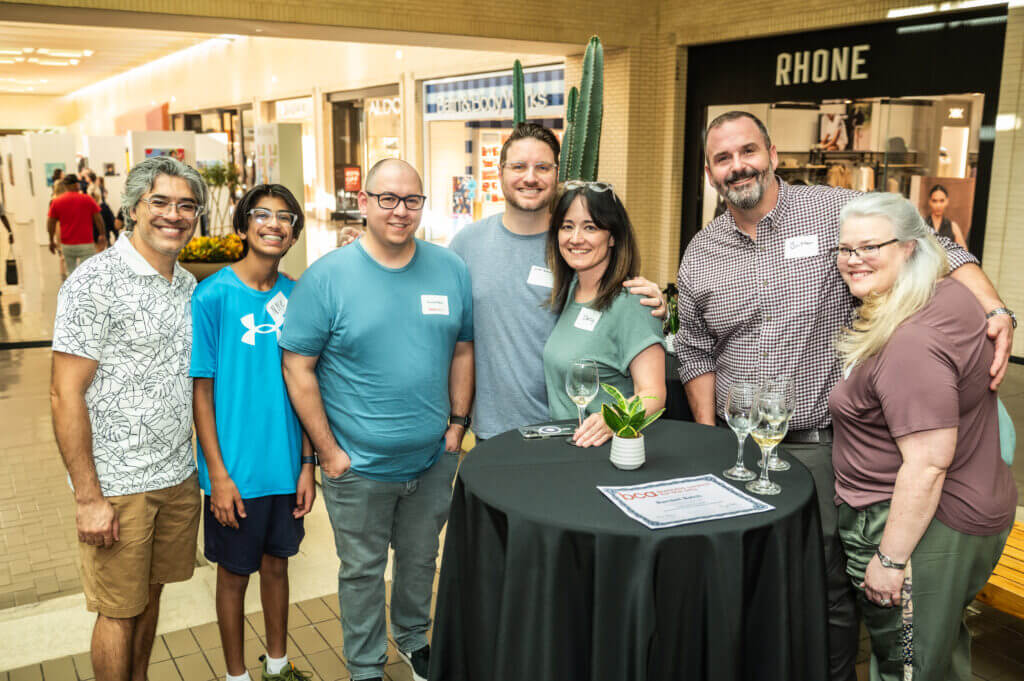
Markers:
(1005, 588)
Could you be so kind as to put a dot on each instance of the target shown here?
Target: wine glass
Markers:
(783, 385)
(582, 383)
(771, 427)
(739, 405)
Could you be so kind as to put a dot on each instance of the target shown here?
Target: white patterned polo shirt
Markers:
(116, 309)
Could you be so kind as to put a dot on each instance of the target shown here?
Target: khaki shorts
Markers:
(157, 545)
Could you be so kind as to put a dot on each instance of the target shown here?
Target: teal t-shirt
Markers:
(621, 332)
(385, 339)
(234, 341)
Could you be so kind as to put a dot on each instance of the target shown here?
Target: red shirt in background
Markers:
(74, 211)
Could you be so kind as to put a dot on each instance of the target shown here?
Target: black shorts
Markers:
(268, 529)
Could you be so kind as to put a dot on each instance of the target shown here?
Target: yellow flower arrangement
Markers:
(212, 249)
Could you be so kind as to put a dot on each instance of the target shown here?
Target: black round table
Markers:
(544, 578)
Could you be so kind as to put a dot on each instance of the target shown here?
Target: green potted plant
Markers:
(222, 179)
(627, 418)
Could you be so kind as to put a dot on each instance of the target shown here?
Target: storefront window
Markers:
(904, 145)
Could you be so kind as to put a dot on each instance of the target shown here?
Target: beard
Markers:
(746, 197)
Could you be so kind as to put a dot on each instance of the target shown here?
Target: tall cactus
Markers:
(518, 95)
(570, 124)
(583, 130)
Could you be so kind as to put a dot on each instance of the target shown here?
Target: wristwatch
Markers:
(1003, 310)
(460, 420)
(888, 562)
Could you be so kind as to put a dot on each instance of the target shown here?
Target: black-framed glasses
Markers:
(389, 201)
(161, 205)
(264, 217)
(867, 252)
(542, 168)
(572, 185)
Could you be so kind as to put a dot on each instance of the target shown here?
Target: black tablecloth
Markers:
(544, 578)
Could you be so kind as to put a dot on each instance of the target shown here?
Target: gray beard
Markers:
(745, 198)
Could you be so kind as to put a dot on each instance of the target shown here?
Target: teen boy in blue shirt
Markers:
(255, 463)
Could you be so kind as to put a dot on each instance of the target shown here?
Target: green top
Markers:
(621, 332)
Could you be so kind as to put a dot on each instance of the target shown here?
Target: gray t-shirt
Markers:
(511, 282)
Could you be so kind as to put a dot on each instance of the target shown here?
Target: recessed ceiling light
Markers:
(73, 61)
(7, 50)
(88, 53)
(6, 61)
(398, 54)
(28, 50)
(173, 98)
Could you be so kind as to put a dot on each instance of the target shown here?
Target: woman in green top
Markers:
(591, 251)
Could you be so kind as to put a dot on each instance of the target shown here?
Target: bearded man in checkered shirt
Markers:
(760, 296)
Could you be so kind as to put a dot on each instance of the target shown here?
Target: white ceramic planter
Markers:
(628, 453)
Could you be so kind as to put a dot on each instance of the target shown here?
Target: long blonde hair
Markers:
(881, 313)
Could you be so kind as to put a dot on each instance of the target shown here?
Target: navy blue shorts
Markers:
(268, 529)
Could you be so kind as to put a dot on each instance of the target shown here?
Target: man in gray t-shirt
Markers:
(511, 282)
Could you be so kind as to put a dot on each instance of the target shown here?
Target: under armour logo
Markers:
(249, 322)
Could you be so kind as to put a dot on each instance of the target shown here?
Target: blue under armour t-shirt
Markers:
(385, 339)
(235, 330)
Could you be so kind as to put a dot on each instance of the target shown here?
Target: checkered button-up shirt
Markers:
(750, 310)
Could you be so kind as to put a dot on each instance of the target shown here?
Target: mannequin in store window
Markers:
(938, 199)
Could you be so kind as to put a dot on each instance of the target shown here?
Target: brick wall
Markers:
(1004, 245)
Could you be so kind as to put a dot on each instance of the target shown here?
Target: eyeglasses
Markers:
(161, 205)
(389, 201)
(264, 217)
(868, 252)
(523, 168)
(572, 185)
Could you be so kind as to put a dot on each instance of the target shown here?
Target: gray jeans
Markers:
(75, 254)
(367, 517)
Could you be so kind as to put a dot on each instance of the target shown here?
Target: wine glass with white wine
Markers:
(739, 414)
(783, 385)
(770, 430)
(582, 382)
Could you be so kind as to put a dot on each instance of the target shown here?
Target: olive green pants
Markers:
(948, 568)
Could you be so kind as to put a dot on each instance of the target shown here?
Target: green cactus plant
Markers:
(583, 119)
(518, 95)
(570, 123)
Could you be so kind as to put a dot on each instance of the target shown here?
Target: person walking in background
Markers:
(82, 232)
(255, 463)
(925, 500)
(121, 399)
(378, 360)
(760, 297)
(938, 201)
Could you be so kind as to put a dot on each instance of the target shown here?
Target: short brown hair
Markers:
(531, 131)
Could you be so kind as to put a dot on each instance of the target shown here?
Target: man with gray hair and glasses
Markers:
(121, 397)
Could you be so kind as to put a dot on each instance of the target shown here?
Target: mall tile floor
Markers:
(43, 624)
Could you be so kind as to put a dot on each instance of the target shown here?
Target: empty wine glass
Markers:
(739, 407)
(783, 386)
(771, 427)
(582, 382)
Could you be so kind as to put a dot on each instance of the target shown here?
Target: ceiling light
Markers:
(911, 11)
(52, 62)
(73, 61)
(6, 61)
(28, 50)
(19, 59)
(398, 54)
(87, 53)
(33, 60)
(65, 54)
(6, 50)
(173, 98)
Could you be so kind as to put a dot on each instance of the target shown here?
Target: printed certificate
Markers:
(683, 500)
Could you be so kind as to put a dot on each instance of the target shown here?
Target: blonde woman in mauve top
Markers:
(925, 500)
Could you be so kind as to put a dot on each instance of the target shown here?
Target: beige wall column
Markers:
(1004, 240)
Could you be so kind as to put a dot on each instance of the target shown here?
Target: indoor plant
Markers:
(204, 255)
(627, 418)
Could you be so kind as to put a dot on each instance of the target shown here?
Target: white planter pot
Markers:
(628, 453)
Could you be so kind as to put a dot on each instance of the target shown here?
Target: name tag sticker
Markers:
(587, 319)
(802, 246)
(277, 306)
(433, 304)
(541, 276)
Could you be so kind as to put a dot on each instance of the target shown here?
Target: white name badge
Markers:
(587, 319)
(433, 304)
(277, 306)
(541, 276)
(802, 246)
